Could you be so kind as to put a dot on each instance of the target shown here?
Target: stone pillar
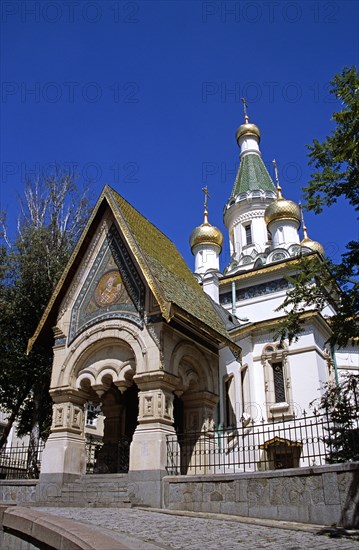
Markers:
(148, 452)
(64, 456)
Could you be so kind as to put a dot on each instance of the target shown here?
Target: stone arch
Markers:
(100, 366)
(100, 337)
(193, 368)
(110, 363)
(194, 403)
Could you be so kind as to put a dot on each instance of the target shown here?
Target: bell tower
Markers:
(252, 192)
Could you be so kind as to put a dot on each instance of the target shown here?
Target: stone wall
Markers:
(324, 495)
(22, 491)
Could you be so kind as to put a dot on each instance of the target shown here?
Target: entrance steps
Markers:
(94, 491)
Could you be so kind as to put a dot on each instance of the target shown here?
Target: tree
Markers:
(336, 175)
(340, 404)
(53, 215)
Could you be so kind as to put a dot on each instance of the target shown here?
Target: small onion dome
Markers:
(282, 209)
(206, 234)
(248, 129)
(313, 245)
(309, 243)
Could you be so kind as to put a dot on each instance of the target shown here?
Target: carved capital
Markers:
(155, 406)
(68, 395)
(156, 380)
(68, 417)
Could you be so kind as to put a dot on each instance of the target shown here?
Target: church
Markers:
(166, 353)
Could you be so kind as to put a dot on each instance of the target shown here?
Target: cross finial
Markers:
(246, 119)
(274, 162)
(279, 189)
(206, 196)
(303, 222)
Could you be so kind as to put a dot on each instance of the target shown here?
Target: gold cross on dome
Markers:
(274, 162)
(206, 196)
(245, 110)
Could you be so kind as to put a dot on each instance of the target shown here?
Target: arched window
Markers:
(277, 380)
(248, 233)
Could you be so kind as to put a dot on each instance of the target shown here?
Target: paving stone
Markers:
(182, 532)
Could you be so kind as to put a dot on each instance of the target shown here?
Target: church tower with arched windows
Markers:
(274, 379)
(265, 245)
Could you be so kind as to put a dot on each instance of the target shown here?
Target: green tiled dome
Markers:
(252, 176)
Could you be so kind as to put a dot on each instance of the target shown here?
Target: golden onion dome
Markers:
(206, 234)
(282, 209)
(313, 245)
(248, 129)
(309, 243)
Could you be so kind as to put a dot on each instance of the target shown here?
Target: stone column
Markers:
(64, 456)
(148, 452)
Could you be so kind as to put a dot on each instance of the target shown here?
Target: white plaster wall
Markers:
(248, 144)
(258, 228)
(260, 308)
(348, 359)
(306, 367)
(284, 233)
(228, 365)
(306, 382)
(206, 257)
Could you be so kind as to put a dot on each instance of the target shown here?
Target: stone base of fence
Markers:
(18, 491)
(325, 495)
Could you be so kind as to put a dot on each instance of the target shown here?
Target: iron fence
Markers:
(21, 462)
(107, 458)
(280, 443)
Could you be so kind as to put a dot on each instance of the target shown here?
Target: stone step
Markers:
(97, 490)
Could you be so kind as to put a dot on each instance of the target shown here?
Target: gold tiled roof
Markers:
(168, 276)
(166, 272)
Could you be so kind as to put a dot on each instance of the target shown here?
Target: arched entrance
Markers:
(120, 412)
(194, 408)
(106, 375)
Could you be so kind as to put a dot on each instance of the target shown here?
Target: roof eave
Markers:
(221, 339)
(61, 284)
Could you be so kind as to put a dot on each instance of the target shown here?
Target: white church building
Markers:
(183, 365)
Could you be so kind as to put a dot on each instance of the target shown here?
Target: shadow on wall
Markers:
(350, 514)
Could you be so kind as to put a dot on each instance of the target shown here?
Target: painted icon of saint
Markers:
(109, 289)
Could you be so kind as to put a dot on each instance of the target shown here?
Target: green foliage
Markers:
(336, 175)
(52, 217)
(340, 403)
(336, 159)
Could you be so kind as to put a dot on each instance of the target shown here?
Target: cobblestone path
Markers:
(160, 530)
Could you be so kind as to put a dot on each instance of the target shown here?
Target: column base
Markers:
(145, 487)
(64, 456)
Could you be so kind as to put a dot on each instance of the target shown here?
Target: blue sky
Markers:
(145, 96)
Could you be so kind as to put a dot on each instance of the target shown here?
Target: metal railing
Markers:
(107, 458)
(281, 443)
(17, 462)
